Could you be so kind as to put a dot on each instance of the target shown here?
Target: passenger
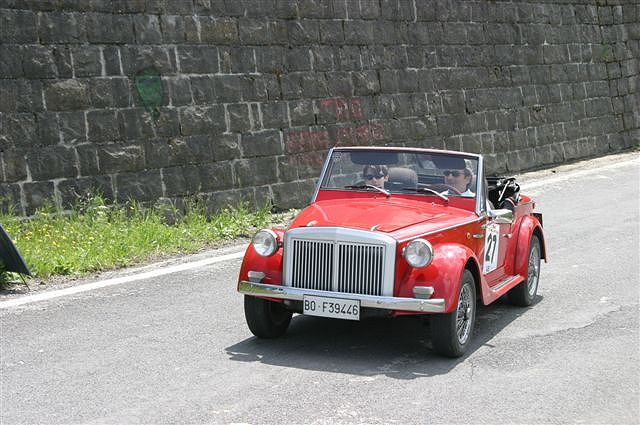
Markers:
(460, 180)
(376, 175)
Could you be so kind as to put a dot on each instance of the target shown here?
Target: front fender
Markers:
(443, 274)
(528, 227)
(270, 266)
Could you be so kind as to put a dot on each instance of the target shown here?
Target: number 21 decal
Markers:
(491, 242)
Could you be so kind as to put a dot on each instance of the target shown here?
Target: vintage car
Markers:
(398, 231)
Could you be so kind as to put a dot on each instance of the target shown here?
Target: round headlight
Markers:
(265, 242)
(418, 253)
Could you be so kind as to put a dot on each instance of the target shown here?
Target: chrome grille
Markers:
(360, 269)
(339, 260)
(312, 265)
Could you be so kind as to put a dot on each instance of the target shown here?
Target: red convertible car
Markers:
(397, 231)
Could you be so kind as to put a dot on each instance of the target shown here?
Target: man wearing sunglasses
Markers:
(376, 175)
(460, 180)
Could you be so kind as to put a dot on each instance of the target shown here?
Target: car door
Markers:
(496, 239)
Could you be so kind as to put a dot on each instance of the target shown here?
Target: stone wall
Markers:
(240, 99)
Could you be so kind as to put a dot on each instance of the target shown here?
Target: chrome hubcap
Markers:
(534, 270)
(464, 315)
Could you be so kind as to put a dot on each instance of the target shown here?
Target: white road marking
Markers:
(118, 280)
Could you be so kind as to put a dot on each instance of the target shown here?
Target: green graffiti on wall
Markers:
(149, 87)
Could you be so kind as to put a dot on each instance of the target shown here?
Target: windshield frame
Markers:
(480, 207)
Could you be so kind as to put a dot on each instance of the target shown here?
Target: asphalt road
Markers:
(175, 348)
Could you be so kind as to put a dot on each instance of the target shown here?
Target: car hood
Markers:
(381, 214)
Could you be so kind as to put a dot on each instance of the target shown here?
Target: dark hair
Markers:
(383, 169)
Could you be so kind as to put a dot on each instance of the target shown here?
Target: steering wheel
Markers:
(441, 187)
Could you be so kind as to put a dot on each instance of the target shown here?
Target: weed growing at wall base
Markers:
(95, 236)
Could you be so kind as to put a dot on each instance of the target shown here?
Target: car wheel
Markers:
(525, 292)
(266, 319)
(451, 332)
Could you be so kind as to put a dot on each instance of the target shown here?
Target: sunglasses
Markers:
(454, 173)
(373, 176)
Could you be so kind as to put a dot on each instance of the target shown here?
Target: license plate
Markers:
(337, 308)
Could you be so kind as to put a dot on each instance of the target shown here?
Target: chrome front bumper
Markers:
(435, 305)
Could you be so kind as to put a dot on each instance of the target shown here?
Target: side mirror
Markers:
(503, 216)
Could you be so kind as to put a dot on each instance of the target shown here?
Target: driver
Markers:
(460, 180)
(375, 175)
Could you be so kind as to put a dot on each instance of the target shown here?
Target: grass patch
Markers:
(94, 236)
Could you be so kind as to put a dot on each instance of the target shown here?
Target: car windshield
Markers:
(430, 173)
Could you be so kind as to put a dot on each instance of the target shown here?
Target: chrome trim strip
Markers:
(433, 232)
(504, 283)
(480, 195)
(386, 303)
(322, 173)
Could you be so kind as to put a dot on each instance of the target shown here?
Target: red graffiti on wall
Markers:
(307, 140)
(344, 109)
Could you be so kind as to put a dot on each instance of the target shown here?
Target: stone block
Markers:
(15, 165)
(18, 26)
(238, 116)
(315, 9)
(176, 151)
(303, 32)
(11, 63)
(198, 59)
(103, 126)
(331, 32)
(339, 84)
(255, 171)
(18, 130)
(72, 126)
(136, 59)
(274, 115)
(47, 130)
(263, 143)
(324, 58)
(147, 29)
(73, 191)
(56, 27)
(52, 162)
(228, 88)
(301, 112)
(109, 92)
(202, 120)
(218, 30)
(65, 95)
(202, 88)
(38, 62)
(359, 32)
(297, 59)
(291, 85)
(225, 147)
(37, 195)
(270, 59)
(289, 195)
(87, 160)
(143, 186)
(314, 85)
(10, 199)
(216, 176)
(453, 101)
(115, 158)
(103, 28)
(408, 81)
(255, 31)
(365, 83)
(172, 28)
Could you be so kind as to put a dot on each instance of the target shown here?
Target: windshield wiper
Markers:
(426, 189)
(368, 186)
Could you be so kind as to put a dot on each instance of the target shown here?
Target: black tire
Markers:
(451, 333)
(525, 292)
(266, 319)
